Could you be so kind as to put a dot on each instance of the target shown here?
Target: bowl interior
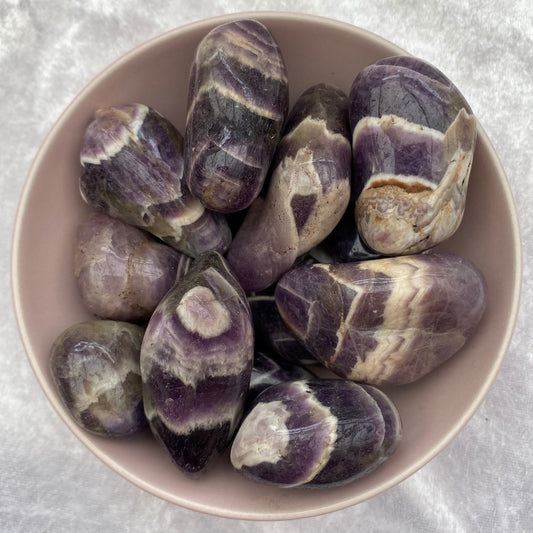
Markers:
(433, 409)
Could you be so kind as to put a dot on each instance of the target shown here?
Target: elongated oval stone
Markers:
(95, 368)
(132, 159)
(308, 192)
(386, 321)
(413, 142)
(310, 433)
(122, 272)
(196, 361)
(238, 102)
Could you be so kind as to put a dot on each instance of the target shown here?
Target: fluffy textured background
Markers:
(49, 50)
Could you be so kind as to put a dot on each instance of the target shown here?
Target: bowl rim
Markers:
(31, 177)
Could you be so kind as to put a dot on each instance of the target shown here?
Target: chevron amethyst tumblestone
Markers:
(386, 321)
(238, 101)
(132, 160)
(414, 136)
(196, 361)
(316, 433)
(308, 191)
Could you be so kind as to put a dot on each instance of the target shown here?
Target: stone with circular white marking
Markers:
(196, 361)
(313, 433)
(200, 312)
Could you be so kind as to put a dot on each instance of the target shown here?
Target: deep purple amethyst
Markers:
(311, 433)
(238, 102)
(273, 335)
(196, 360)
(95, 368)
(308, 191)
(413, 140)
(132, 160)
(387, 321)
(122, 272)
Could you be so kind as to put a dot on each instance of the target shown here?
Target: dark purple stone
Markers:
(387, 321)
(132, 160)
(196, 360)
(272, 334)
(408, 88)
(95, 368)
(238, 102)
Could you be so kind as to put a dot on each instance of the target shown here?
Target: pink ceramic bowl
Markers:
(433, 409)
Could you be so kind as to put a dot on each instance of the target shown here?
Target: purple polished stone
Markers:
(413, 140)
(196, 361)
(310, 433)
(387, 321)
(122, 272)
(238, 102)
(406, 87)
(132, 160)
(95, 368)
(273, 335)
(308, 191)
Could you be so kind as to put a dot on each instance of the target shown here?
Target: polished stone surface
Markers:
(49, 51)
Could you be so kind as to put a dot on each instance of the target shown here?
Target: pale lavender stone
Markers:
(132, 159)
(122, 272)
(238, 102)
(196, 361)
(387, 321)
(95, 368)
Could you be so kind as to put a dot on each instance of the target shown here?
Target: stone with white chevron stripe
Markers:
(413, 144)
(238, 102)
(308, 191)
(132, 159)
(387, 321)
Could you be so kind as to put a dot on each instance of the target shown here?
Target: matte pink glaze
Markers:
(46, 301)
